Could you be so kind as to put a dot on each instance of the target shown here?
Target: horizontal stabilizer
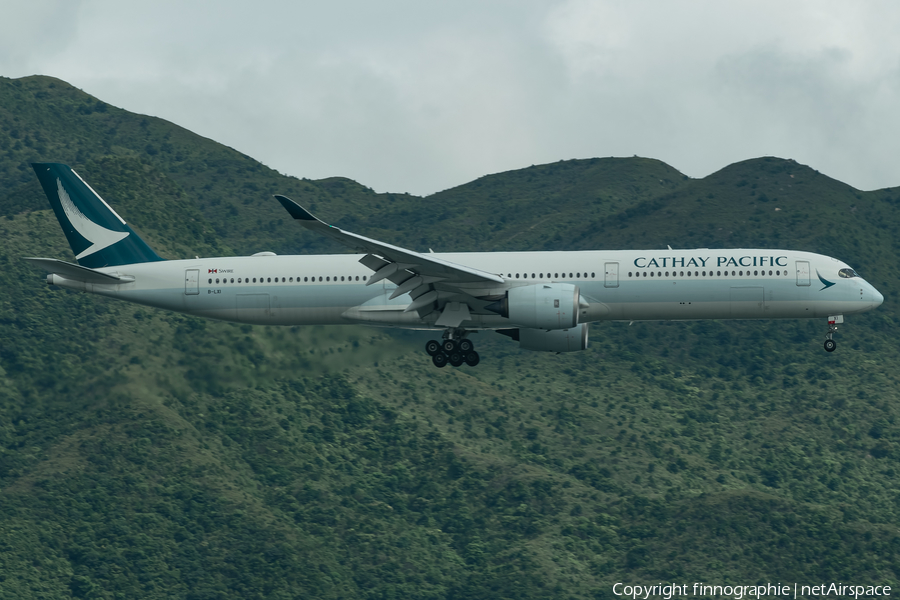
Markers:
(77, 272)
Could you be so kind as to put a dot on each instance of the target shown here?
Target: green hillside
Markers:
(145, 454)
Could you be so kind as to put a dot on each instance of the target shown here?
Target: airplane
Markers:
(543, 300)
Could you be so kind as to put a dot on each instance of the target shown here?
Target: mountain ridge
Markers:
(149, 454)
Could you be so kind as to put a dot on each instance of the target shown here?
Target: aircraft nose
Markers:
(877, 298)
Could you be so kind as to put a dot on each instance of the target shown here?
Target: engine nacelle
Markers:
(558, 340)
(543, 306)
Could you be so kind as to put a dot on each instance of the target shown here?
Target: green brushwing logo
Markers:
(827, 284)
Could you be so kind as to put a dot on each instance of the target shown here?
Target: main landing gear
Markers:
(455, 349)
(830, 344)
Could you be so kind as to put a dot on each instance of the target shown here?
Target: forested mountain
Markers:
(145, 454)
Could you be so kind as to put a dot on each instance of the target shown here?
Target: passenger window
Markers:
(645, 273)
(651, 273)
(320, 278)
(342, 277)
(629, 273)
(556, 275)
(570, 275)
(210, 280)
(517, 275)
(217, 281)
(532, 276)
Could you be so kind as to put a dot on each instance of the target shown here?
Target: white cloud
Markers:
(412, 96)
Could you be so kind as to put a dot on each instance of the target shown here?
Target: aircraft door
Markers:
(191, 282)
(802, 272)
(612, 275)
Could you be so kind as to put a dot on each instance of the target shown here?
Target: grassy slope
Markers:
(149, 454)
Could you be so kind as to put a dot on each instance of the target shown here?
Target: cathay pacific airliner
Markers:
(543, 300)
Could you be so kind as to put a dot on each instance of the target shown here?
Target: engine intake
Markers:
(546, 306)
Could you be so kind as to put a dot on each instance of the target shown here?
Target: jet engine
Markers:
(546, 306)
(558, 340)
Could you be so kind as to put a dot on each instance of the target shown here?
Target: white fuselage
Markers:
(617, 285)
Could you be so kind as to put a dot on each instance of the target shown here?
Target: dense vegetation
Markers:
(147, 454)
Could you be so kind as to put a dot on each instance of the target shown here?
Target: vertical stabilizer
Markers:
(98, 236)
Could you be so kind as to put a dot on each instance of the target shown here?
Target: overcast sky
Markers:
(417, 96)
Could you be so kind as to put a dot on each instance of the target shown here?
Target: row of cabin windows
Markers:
(704, 273)
(289, 279)
(357, 278)
(555, 276)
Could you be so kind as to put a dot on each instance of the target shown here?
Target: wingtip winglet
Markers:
(294, 209)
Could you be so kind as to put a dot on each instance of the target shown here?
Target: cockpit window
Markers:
(848, 273)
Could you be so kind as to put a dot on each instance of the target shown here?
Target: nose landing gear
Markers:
(455, 349)
(833, 322)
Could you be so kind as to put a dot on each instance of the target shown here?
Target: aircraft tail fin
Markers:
(97, 235)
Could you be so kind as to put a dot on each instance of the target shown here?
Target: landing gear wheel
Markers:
(432, 347)
(830, 345)
(466, 346)
(456, 359)
(472, 358)
(439, 360)
(449, 346)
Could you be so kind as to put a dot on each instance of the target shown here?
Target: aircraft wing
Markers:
(400, 258)
(430, 281)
